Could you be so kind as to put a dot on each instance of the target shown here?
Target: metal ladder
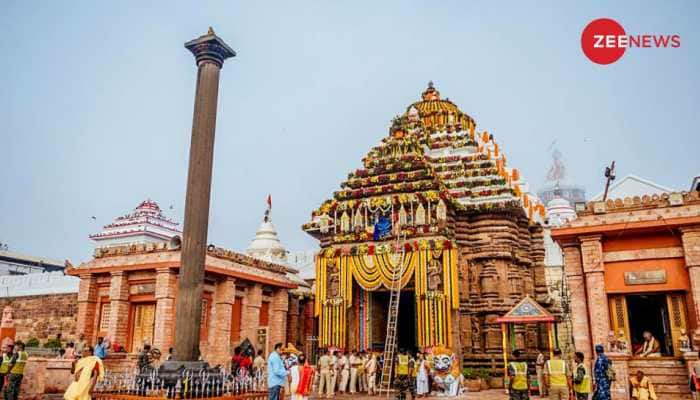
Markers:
(390, 341)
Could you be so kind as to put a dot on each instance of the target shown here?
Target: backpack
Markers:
(610, 372)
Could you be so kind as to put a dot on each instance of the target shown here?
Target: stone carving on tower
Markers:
(473, 247)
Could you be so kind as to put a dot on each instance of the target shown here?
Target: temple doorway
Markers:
(649, 312)
(406, 323)
(143, 321)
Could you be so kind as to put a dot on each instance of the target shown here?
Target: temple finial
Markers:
(211, 31)
(430, 83)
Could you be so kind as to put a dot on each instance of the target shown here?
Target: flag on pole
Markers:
(269, 201)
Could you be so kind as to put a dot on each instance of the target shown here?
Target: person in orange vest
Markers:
(518, 386)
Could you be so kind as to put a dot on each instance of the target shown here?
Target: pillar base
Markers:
(619, 389)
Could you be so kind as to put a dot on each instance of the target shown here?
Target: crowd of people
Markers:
(557, 381)
(353, 372)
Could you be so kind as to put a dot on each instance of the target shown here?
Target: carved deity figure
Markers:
(434, 274)
(684, 342)
(612, 342)
(333, 279)
(7, 321)
(622, 345)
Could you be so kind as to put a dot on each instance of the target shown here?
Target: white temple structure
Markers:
(267, 246)
(146, 224)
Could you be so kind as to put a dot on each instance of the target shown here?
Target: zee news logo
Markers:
(604, 41)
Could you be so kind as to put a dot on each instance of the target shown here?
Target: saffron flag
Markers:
(269, 200)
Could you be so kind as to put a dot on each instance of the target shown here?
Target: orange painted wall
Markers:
(676, 275)
(642, 241)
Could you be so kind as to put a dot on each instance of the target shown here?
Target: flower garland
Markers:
(459, 167)
(472, 173)
(451, 159)
(384, 248)
(390, 188)
(386, 178)
(475, 183)
(482, 193)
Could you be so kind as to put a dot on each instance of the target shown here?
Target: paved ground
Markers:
(493, 394)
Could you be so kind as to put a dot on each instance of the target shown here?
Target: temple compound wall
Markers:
(436, 204)
(128, 293)
(633, 265)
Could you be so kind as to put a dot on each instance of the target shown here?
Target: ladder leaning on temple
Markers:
(394, 296)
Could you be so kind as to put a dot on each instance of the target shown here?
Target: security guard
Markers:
(557, 377)
(402, 375)
(17, 364)
(582, 378)
(517, 371)
(5, 366)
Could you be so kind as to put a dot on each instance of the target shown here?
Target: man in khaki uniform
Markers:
(334, 371)
(326, 379)
(344, 367)
(557, 377)
(371, 369)
(355, 362)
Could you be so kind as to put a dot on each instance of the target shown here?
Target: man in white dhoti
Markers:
(422, 382)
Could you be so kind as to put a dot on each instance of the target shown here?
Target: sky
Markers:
(96, 102)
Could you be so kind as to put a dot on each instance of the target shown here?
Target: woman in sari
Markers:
(301, 378)
(88, 370)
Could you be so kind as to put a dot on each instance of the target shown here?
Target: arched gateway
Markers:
(473, 244)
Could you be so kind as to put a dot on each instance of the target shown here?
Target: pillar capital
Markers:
(210, 48)
(590, 238)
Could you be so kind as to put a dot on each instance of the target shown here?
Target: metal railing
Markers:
(187, 385)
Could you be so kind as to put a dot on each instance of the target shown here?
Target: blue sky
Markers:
(96, 102)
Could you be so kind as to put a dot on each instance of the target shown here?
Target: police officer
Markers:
(17, 364)
(402, 376)
(518, 385)
(5, 366)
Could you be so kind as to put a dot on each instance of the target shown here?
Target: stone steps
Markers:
(669, 376)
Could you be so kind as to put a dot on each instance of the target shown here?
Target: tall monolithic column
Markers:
(119, 308)
(598, 313)
(87, 307)
(576, 284)
(691, 250)
(210, 52)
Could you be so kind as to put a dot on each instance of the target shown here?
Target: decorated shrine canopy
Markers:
(526, 311)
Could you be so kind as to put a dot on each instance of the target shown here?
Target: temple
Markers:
(442, 194)
(146, 224)
(128, 290)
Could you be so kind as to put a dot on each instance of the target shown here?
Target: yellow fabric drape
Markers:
(371, 272)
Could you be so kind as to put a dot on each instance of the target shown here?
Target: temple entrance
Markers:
(143, 322)
(406, 323)
(649, 312)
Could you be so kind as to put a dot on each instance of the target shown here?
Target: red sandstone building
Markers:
(128, 293)
(633, 264)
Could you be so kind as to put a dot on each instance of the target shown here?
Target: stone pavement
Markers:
(493, 394)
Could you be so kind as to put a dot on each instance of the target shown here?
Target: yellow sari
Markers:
(80, 388)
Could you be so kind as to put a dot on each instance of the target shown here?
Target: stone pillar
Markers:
(87, 307)
(166, 287)
(119, 307)
(293, 320)
(278, 316)
(224, 296)
(573, 270)
(691, 250)
(250, 318)
(210, 52)
(619, 390)
(598, 313)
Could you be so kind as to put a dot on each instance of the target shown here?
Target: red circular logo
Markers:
(603, 41)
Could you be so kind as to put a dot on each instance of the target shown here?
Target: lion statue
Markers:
(447, 377)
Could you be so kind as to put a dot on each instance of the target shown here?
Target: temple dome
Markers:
(560, 211)
(438, 113)
(266, 243)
